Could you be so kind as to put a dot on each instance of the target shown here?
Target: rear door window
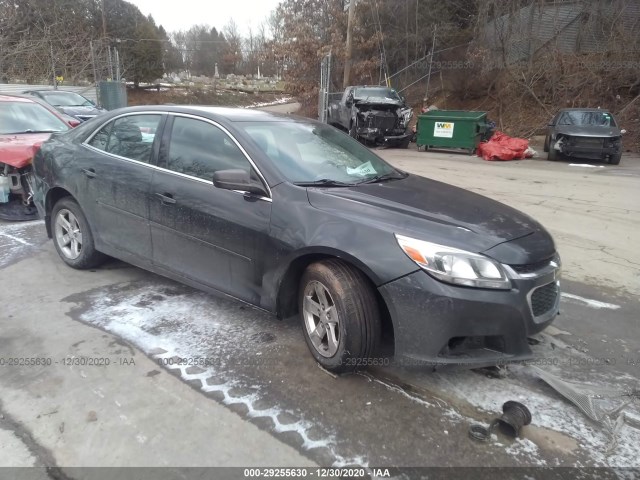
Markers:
(130, 137)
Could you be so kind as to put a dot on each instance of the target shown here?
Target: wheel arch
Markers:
(54, 195)
(287, 293)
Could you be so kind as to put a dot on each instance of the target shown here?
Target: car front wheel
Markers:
(353, 133)
(340, 315)
(615, 158)
(72, 236)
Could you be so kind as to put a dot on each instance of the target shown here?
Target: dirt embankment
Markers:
(523, 98)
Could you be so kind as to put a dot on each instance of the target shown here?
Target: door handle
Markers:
(166, 198)
(89, 172)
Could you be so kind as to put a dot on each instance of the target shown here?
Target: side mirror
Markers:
(237, 179)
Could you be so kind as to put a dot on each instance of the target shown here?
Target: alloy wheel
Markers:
(68, 234)
(321, 319)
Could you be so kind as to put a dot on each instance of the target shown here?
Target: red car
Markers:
(24, 124)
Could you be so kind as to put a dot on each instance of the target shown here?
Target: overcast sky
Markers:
(182, 14)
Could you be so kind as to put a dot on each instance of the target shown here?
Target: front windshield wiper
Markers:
(31, 131)
(385, 177)
(324, 182)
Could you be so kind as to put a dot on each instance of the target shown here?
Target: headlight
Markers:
(455, 266)
(405, 114)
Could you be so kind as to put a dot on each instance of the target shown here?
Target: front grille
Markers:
(531, 267)
(385, 121)
(594, 142)
(544, 299)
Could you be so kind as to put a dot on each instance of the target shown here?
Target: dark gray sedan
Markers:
(69, 103)
(584, 133)
(295, 217)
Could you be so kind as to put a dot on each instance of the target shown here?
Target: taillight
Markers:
(74, 123)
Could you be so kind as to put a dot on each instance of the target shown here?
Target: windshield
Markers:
(23, 117)
(310, 152)
(600, 119)
(376, 92)
(66, 99)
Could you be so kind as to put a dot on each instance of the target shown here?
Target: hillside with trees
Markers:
(521, 60)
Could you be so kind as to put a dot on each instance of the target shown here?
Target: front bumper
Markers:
(380, 136)
(437, 324)
(586, 152)
(589, 147)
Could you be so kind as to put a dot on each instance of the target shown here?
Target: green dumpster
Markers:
(451, 129)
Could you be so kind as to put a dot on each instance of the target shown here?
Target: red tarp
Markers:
(503, 147)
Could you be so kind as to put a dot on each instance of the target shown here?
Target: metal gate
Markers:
(325, 85)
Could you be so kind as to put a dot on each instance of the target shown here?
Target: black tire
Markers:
(358, 316)
(546, 144)
(405, 143)
(552, 155)
(88, 256)
(615, 158)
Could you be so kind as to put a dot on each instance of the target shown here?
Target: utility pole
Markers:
(347, 62)
(104, 22)
(53, 68)
(95, 71)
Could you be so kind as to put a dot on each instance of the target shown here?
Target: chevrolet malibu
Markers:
(296, 218)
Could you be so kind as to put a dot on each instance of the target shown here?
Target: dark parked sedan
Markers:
(69, 103)
(584, 133)
(295, 217)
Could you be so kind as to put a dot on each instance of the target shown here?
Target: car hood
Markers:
(18, 150)
(434, 211)
(73, 111)
(378, 101)
(588, 131)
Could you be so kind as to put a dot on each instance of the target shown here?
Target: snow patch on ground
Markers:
(15, 240)
(523, 447)
(589, 302)
(179, 322)
(549, 412)
(279, 101)
(140, 318)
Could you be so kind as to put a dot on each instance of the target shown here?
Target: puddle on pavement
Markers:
(548, 439)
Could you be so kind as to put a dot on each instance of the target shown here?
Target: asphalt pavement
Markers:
(109, 388)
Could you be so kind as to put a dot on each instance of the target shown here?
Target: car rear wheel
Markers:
(72, 236)
(615, 158)
(340, 315)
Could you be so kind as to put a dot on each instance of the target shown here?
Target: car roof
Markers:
(15, 98)
(215, 113)
(603, 110)
(48, 90)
